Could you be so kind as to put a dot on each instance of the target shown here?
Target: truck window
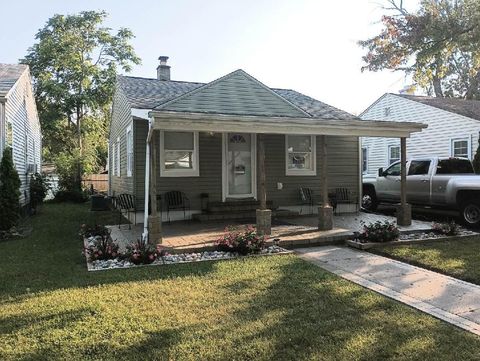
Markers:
(394, 170)
(419, 167)
(454, 166)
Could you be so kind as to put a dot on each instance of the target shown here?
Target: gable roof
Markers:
(9, 74)
(467, 108)
(147, 93)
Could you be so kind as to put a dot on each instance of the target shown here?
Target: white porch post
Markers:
(404, 210)
(147, 188)
(325, 211)
(154, 220)
(264, 215)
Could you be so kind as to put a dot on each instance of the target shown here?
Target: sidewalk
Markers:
(444, 297)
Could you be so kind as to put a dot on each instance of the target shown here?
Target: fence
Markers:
(99, 182)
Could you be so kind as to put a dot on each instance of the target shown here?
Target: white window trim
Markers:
(461, 139)
(118, 160)
(194, 172)
(389, 153)
(129, 164)
(113, 155)
(302, 172)
(361, 159)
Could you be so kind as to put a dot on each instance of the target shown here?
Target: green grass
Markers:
(267, 308)
(456, 258)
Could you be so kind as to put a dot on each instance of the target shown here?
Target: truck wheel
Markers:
(470, 213)
(369, 200)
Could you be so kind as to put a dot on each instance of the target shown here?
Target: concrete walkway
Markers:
(446, 298)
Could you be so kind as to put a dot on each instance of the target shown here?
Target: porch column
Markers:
(154, 220)
(325, 211)
(264, 215)
(404, 210)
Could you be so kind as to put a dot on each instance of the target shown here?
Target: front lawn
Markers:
(266, 308)
(459, 259)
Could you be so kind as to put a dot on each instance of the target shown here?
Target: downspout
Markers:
(147, 181)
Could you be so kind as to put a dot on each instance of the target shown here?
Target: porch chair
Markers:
(176, 200)
(126, 203)
(306, 197)
(342, 196)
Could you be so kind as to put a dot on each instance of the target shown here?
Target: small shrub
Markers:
(9, 192)
(448, 229)
(103, 248)
(38, 190)
(92, 231)
(140, 252)
(379, 232)
(71, 196)
(241, 241)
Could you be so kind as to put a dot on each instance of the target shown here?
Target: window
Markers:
(179, 154)
(129, 137)
(8, 134)
(364, 159)
(460, 148)
(419, 167)
(114, 165)
(394, 170)
(454, 166)
(117, 160)
(393, 154)
(300, 155)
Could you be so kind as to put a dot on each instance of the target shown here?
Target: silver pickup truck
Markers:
(448, 183)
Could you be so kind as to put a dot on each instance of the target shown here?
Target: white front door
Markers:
(239, 165)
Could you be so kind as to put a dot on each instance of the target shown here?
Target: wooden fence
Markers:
(98, 181)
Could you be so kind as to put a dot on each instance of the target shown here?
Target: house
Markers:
(453, 128)
(19, 123)
(234, 144)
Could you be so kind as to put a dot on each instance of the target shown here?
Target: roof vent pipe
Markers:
(163, 70)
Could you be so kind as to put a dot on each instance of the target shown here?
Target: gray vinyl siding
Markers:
(443, 126)
(121, 119)
(236, 93)
(20, 109)
(343, 169)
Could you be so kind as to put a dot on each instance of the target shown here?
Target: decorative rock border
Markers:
(182, 258)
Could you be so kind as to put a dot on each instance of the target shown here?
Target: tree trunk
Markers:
(472, 91)
(437, 87)
(80, 148)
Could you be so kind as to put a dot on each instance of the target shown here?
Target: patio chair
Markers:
(342, 196)
(126, 204)
(176, 200)
(306, 197)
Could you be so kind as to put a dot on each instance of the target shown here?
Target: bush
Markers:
(9, 192)
(140, 252)
(448, 229)
(241, 241)
(379, 232)
(102, 247)
(92, 231)
(71, 196)
(38, 190)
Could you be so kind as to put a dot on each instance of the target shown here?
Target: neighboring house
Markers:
(453, 128)
(205, 140)
(19, 123)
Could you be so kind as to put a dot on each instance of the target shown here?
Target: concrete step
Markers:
(240, 215)
(235, 206)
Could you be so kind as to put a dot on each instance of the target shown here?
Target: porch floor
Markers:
(292, 231)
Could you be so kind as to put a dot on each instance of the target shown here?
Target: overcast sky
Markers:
(306, 45)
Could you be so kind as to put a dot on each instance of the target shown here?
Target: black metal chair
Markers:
(126, 204)
(306, 197)
(176, 200)
(342, 196)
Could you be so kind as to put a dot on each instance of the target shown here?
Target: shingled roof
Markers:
(467, 108)
(147, 93)
(9, 74)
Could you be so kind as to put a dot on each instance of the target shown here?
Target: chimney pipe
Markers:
(163, 70)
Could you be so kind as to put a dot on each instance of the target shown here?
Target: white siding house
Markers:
(19, 123)
(453, 128)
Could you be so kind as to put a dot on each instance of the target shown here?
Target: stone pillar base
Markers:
(264, 222)
(404, 215)
(154, 230)
(325, 218)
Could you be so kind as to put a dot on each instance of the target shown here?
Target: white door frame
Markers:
(253, 148)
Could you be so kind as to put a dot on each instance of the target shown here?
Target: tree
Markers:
(9, 192)
(74, 65)
(438, 45)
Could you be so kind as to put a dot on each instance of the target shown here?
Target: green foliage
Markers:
(38, 189)
(243, 241)
(379, 232)
(476, 159)
(74, 65)
(140, 252)
(9, 192)
(448, 229)
(438, 45)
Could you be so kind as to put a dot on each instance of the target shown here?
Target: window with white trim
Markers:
(179, 154)
(393, 154)
(8, 133)
(129, 136)
(117, 160)
(114, 163)
(460, 148)
(300, 155)
(364, 159)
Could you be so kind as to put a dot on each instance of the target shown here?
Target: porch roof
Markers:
(170, 120)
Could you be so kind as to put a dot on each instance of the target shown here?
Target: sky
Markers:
(306, 45)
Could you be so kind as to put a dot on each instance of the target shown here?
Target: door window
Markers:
(419, 167)
(394, 170)
(239, 164)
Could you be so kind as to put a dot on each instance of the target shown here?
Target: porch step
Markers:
(240, 215)
(235, 206)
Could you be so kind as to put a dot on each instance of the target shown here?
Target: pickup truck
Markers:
(448, 183)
